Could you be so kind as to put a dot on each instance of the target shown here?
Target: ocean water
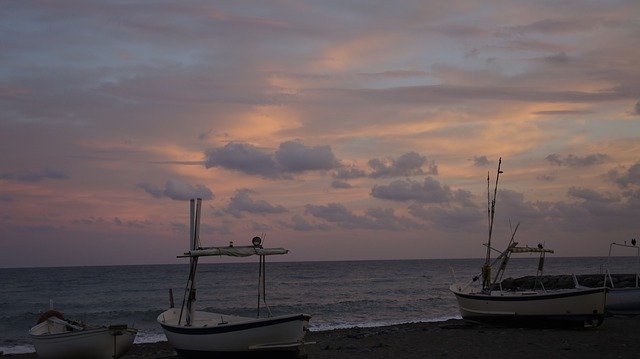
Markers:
(336, 294)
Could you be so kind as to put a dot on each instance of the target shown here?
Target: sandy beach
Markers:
(616, 338)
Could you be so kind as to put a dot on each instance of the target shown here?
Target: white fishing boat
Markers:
(192, 332)
(623, 300)
(488, 302)
(57, 337)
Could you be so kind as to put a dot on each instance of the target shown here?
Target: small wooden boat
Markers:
(536, 306)
(490, 303)
(192, 332)
(57, 337)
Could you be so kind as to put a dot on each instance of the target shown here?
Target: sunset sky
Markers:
(340, 130)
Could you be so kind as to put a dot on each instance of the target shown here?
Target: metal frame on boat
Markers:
(198, 332)
(490, 303)
(623, 300)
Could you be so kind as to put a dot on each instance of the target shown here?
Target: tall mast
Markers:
(486, 270)
(488, 256)
(194, 243)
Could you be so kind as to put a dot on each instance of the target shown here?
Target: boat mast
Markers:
(488, 257)
(194, 243)
(486, 269)
(506, 255)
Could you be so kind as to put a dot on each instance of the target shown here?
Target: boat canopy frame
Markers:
(607, 275)
(196, 251)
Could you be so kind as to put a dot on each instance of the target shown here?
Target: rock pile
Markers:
(566, 282)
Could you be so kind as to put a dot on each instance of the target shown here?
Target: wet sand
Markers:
(615, 338)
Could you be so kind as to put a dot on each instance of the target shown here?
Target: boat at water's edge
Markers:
(232, 334)
(200, 333)
(56, 337)
(491, 303)
(557, 307)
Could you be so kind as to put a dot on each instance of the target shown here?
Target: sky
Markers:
(340, 130)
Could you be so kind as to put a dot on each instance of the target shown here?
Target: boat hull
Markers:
(212, 332)
(623, 301)
(91, 343)
(571, 307)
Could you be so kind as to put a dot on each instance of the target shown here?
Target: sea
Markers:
(337, 294)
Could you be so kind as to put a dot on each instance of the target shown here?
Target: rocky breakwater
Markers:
(566, 281)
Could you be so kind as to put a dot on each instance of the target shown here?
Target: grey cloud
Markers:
(340, 184)
(408, 164)
(547, 177)
(557, 59)
(291, 157)
(299, 223)
(373, 219)
(178, 227)
(132, 223)
(386, 218)
(333, 212)
(5, 198)
(593, 210)
(177, 190)
(511, 204)
(88, 221)
(221, 229)
(576, 161)
(456, 218)
(393, 74)
(35, 176)
(181, 228)
(553, 26)
(338, 214)
(463, 31)
(430, 191)
(481, 161)
(349, 172)
(562, 112)
(241, 202)
(601, 210)
(211, 133)
(631, 177)
(151, 189)
(591, 195)
(205, 135)
(451, 94)
(464, 198)
(255, 226)
(636, 109)
(244, 158)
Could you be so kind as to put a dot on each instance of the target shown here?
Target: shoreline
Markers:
(451, 338)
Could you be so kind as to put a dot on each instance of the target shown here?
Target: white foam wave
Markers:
(143, 337)
(17, 349)
(346, 325)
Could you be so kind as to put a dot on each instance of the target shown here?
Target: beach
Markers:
(615, 338)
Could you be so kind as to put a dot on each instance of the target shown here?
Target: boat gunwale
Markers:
(225, 328)
(530, 297)
(544, 320)
(79, 333)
